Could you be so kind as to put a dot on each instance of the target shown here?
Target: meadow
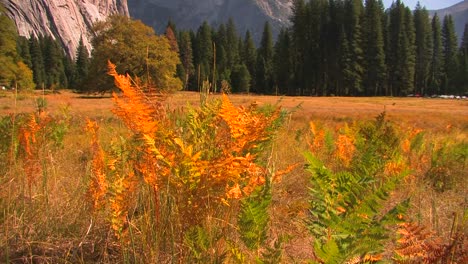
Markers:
(237, 179)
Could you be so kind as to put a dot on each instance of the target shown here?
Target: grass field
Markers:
(46, 217)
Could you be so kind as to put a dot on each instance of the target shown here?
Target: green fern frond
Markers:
(198, 242)
(253, 218)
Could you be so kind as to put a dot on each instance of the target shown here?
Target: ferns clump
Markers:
(349, 214)
(196, 171)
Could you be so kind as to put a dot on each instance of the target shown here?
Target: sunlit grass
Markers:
(54, 222)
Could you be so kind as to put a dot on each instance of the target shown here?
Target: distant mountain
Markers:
(459, 13)
(190, 14)
(66, 20)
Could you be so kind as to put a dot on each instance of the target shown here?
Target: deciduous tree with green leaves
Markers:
(136, 50)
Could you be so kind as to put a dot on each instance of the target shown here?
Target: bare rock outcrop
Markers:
(66, 20)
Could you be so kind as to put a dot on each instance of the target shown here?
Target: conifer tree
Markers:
(53, 63)
(37, 61)
(240, 79)
(409, 56)
(23, 50)
(449, 51)
(463, 63)
(424, 48)
(375, 68)
(82, 65)
(204, 59)
(223, 66)
(400, 50)
(186, 57)
(435, 72)
(354, 35)
(232, 50)
(265, 62)
(346, 72)
(282, 63)
(335, 28)
(249, 56)
(300, 24)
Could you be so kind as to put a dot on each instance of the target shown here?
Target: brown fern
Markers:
(418, 245)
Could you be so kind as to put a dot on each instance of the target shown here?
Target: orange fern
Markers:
(134, 108)
(98, 186)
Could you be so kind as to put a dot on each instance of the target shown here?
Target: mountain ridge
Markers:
(190, 14)
(459, 14)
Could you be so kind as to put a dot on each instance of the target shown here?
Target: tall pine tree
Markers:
(449, 53)
(186, 57)
(400, 50)
(435, 71)
(249, 56)
(424, 49)
(282, 63)
(81, 66)
(204, 53)
(264, 71)
(375, 68)
(463, 63)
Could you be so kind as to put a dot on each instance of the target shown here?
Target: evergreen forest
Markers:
(332, 48)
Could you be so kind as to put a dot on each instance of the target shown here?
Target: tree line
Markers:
(333, 47)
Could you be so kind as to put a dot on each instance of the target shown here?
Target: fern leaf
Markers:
(253, 218)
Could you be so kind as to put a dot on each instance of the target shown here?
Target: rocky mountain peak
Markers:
(66, 20)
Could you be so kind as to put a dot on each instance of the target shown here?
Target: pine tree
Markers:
(423, 49)
(232, 50)
(449, 51)
(346, 73)
(82, 65)
(223, 66)
(240, 79)
(400, 50)
(23, 50)
(204, 53)
(375, 68)
(53, 63)
(435, 72)
(282, 63)
(354, 35)
(463, 63)
(37, 61)
(265, 62)
(335, 29)
(299, 28)
(186, 56)
(249, 56)
(409, 56)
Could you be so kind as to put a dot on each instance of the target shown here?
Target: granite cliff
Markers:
(66, 20)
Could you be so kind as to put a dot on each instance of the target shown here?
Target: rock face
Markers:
(190, 14)
(66, 20)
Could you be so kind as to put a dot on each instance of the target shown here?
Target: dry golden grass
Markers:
(290, 200)
(421, 112)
